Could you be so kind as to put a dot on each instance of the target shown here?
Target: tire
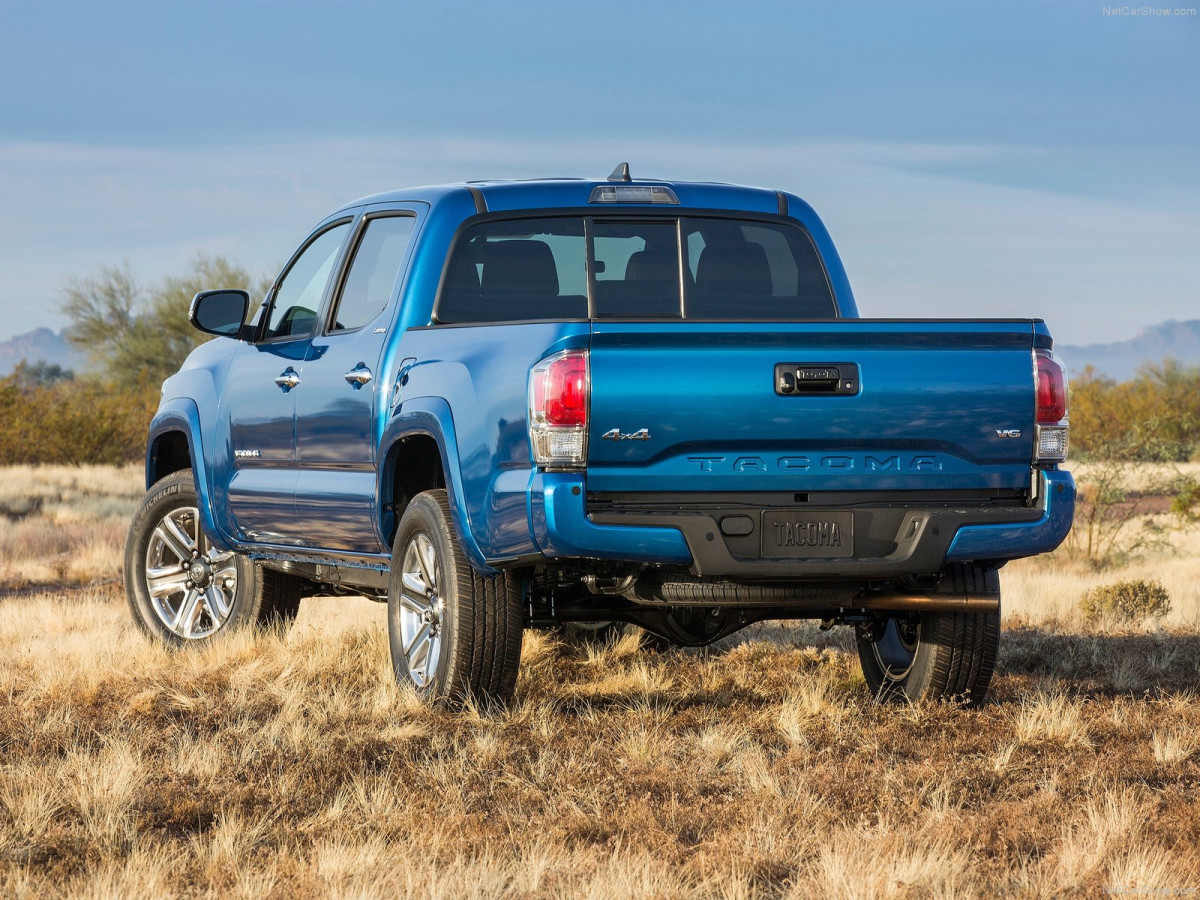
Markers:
(453, 633)
(931, 656)
(577, 634)
(180, 589)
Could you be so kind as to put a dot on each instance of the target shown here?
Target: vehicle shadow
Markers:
(1087, 663)
(1102, 664)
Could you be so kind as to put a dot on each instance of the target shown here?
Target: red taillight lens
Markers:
(1051, 388)
(558, 409)
(563, 390)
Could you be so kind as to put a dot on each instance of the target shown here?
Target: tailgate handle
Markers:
(804, 379)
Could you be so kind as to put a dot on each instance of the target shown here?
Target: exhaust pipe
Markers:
(900, 602)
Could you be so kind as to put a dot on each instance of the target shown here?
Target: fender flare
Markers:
(183, 416)
(432, 417)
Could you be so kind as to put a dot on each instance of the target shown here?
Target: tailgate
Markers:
(915, 405)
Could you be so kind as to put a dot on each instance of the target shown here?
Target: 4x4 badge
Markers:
(616, 434)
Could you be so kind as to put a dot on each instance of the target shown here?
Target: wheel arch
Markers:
(413, 464)
(174, 444)
(168, 452)
(419, 452)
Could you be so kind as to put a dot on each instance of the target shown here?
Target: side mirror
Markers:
(220, 312)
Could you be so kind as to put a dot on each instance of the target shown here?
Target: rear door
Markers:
(347, 387)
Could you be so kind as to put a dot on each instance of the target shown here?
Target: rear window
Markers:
(762, 271)
(665, 267)
(514, 270)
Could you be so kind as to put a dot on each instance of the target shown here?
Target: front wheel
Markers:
(453, 632)
(183, 590)
(930, 656)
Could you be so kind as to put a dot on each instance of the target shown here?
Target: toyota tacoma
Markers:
(598, 402)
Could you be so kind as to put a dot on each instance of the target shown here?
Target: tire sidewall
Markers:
(423, 516)
(172, 492)
(913, 685)
(920, 675)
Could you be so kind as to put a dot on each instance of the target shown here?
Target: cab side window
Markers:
(371, 282)
(294, 310)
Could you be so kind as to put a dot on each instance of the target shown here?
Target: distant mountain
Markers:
(1120, 360)
(1180, 340)
(41, 343)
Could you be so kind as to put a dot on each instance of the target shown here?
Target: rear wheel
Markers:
(453, 633)
(577, 634)
(180, 588)
(662, 629)
(930, 656)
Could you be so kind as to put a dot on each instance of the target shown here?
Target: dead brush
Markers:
(61, 524)
(1125, 602)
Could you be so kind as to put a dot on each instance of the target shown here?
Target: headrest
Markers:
(520, 267)
(653, 265)
(737, 268)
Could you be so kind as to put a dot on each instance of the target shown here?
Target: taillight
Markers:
(1051, 388)
(1050, 381)
(559, 386)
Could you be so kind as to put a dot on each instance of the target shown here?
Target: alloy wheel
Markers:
(896, 647)
(421, 609)
(191, 585)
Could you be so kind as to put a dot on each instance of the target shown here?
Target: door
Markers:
(347, 392)
(259, 399)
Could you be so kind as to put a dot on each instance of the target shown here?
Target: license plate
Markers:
(807, 535)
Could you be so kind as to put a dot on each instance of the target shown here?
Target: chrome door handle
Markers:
(288, 379)
(358, 376)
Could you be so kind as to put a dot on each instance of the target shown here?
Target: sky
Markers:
(969, 158)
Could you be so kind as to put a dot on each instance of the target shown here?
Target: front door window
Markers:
(294, 310)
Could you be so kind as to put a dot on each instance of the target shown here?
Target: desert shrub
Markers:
(134, 337)
(39, 373)
(1109, 525)
(133, 332)
(75, 422)
(1125, 602)
(1158, 410)
(1186, 500)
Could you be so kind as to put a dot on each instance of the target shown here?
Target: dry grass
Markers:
(1144, 474)
(1049, 588)
(64, 525)
(291, 765)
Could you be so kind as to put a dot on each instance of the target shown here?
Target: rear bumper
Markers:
(562, 527)
(998, 541)
(898, 539)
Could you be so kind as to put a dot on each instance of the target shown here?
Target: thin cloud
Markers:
(921, 227)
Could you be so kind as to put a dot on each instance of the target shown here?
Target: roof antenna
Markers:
(620, 173)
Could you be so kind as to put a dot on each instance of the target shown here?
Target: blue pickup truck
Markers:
(598, 403)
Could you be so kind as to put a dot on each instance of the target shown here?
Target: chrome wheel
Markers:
(421, 609)
(896, 648)
(191, 586)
